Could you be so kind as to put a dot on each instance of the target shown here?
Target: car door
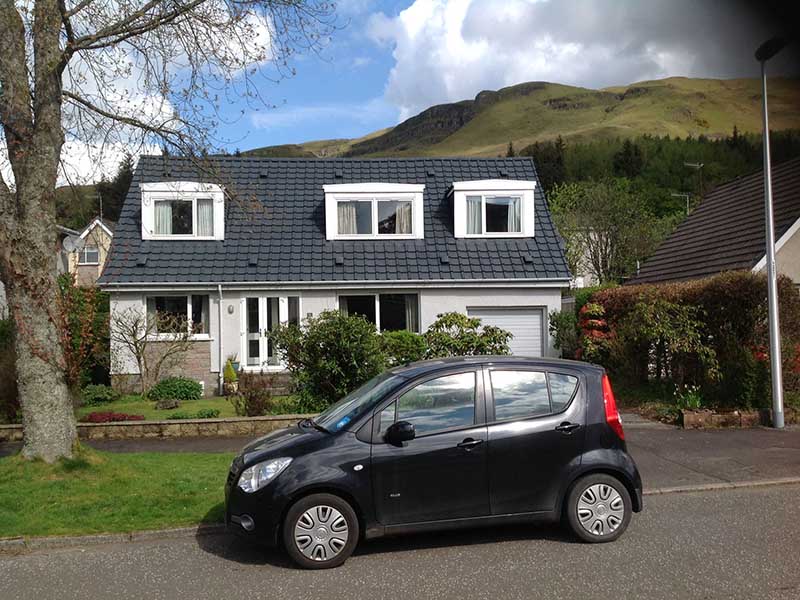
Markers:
(536, 430)
(441, 473)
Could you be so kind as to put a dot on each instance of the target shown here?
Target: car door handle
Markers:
(567, 427)
(469, 443)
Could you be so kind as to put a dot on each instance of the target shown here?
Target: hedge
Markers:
(730, 310)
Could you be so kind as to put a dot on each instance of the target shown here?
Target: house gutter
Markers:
(342, 284)
(221, 377)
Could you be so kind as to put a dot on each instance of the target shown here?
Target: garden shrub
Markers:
(254, 397)
(176, 388)
(402, 347)
(207, 413)
(92, 395)
(729, 319)
(328, 356)
(179, 416)
(564, 330)
(229, 373)
(456, 334)
(110, 417)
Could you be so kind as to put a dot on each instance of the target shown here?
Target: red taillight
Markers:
(612, 414)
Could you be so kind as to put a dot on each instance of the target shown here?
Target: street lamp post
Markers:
(766, 51)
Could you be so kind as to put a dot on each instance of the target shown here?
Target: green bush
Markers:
(203, 413)
(329, 356)
(175, 388)
(402, 347)
(564, 329)
(92, 395)
(456, 334)
(207, 413)
(725, 316)
(229, 373)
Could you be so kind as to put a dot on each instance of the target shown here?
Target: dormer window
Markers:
(373, 211)
(493, 208)
(182, 210)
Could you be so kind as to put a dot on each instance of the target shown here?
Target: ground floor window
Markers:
(389, 312)
(172, 314)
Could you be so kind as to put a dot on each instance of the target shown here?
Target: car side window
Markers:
(562, 388)
(437, 404)
(386, 418)
(519, 394)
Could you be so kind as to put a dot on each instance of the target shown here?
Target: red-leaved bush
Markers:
(110, 417)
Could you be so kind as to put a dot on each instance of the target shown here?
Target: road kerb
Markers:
(722, 485)
(24, 545)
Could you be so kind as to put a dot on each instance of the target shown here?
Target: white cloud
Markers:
(362, 113)
(447, 50)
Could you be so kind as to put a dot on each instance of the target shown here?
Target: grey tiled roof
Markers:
(726, 232)
(275, 229)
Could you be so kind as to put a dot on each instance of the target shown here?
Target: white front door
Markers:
(525, 324)
(261, 315)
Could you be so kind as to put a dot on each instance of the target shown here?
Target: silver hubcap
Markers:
(600, 509)
(321, 533)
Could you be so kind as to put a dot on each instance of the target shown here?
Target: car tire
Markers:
(320, 531)
(598, 508)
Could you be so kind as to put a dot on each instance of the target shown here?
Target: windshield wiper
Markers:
(311, 423)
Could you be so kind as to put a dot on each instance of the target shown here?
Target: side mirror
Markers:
(400, 432)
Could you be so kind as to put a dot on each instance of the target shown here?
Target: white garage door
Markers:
(524, 323)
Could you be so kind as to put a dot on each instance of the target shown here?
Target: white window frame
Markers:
(170, 336)
(488, 188)
(283, 319)
(184, 191)
(377, 296)
(374, 193)
(82, 255)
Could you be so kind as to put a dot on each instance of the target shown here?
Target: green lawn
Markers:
(136, 406)
(100, 492)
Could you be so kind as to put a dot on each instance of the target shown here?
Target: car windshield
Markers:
(358, 402)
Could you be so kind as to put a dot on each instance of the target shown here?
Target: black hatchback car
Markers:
(437, 445)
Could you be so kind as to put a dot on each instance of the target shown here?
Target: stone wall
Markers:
(236, 426)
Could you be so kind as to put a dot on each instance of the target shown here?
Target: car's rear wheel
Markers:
(320, 531)
(598, 508)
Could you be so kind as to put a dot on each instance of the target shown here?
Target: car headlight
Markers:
(260, 474)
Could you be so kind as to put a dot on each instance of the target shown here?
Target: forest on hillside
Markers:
(614, 201)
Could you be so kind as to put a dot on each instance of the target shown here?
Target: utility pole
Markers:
(766, 51)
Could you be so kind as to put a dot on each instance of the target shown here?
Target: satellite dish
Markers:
(72, 243)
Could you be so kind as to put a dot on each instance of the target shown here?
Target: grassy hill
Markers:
(540, 111)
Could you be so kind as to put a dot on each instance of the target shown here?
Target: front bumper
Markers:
(251, 516)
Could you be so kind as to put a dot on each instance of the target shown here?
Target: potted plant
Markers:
(234, 360)
(230, 378)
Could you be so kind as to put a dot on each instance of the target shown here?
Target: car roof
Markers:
(439, 364)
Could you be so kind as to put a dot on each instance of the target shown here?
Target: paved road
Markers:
(726, 544)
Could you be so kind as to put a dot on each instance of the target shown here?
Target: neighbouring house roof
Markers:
(275, 226)
(727, 230)
(105, 224)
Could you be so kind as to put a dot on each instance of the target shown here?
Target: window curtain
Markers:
(412, 312)
(205, 217)
(514, 220)
(403, 218)
(343, 305)
(474, 215)
(163, 214)
(347, 218)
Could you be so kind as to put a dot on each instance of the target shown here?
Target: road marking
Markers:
(724, 485)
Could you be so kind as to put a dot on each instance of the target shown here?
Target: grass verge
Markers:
(101, 492)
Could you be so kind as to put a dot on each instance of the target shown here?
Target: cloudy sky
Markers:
(391, 58)
(394, 59)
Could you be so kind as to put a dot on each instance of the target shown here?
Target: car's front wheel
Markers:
(598, 508)
(320, 531)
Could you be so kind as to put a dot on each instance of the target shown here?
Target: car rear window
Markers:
(519, 394)
(562, 388)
